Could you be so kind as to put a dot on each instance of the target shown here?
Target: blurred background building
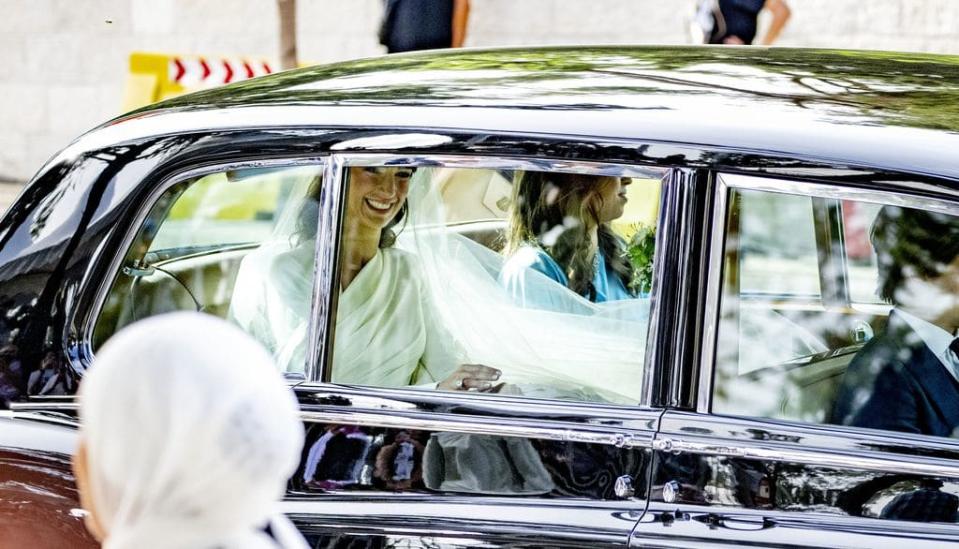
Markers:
(65, 61)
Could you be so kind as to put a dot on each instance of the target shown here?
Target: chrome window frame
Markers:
(725, 183)
(101, 288)
(861, 459)
(331, 225)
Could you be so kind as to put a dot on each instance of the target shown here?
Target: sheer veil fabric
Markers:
(574, 349)
(190, 435)
(274, 285)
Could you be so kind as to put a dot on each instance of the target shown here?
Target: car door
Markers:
(560, 454)
(557, 455)
(139, 241)
(768, 451)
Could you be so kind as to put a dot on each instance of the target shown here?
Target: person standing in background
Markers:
(410, 25)
(734, 22)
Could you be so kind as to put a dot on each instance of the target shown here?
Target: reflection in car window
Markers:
(883, 359)
(777, 245)
(523, 283)
(857, 219)
(210, 243)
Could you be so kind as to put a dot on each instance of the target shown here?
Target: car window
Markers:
(211, 243)
(777, 245)
(863, 267)
(880, 357)
(517, 282)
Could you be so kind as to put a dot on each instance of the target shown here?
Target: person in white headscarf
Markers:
(188, 437)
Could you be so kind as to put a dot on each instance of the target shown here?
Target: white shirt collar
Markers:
(936, 339)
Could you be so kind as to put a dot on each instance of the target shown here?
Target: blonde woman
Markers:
(559, 228)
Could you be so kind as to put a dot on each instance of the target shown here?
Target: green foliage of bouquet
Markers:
(639, 251)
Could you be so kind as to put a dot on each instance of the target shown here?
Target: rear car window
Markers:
(875, 350)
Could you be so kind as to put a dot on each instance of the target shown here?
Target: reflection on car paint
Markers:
(350, 458)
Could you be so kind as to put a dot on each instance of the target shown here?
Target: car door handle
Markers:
(742, 523)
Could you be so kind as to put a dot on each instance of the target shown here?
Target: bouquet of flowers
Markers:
(639, 251)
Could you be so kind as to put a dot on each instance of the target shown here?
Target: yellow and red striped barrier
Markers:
(154, 76)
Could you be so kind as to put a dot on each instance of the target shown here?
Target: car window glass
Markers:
(880, 357)
(212, 243)
(775, 259)
(863, 268)
(777, 245)
(516, 282)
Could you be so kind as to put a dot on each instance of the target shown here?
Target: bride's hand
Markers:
(470, 376)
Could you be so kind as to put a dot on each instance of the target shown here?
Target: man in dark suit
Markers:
(907, 377)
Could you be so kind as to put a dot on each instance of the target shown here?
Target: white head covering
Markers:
(191, 435)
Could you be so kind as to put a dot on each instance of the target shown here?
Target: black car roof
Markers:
(897, 110)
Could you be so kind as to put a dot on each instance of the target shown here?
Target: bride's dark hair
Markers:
(388, 235)
(309, 218)
(554, 211)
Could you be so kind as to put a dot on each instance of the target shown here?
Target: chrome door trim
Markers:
(669, 211)
(42, 407)
(493, 426)
(338, 162)
(440, 516)
(430, 421)
(814, 456)
(837, 192)
(620, 438)
(726, 182)
(501, 162)
(650, 530)
(383, 399)
(441, 499)
(38, 416)
(101, 287)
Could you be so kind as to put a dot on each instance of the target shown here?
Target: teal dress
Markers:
(521, 270)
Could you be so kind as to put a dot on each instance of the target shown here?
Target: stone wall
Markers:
(64, 61)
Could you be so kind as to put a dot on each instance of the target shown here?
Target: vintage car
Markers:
(724, 402)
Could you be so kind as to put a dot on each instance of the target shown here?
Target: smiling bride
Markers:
(386, 333)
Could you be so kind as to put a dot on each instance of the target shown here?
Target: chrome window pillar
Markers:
(673, 288)
(325, 274)
(714, 281)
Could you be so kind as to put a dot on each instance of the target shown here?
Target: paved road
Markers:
(8, 191)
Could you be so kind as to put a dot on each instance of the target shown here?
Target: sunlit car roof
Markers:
(825, 104)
